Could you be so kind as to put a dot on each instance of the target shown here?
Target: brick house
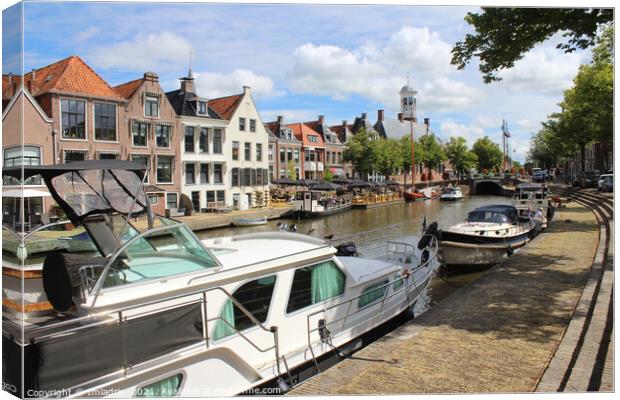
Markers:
(313, 148)
(334, 148)
(149, 132)
(287, 149)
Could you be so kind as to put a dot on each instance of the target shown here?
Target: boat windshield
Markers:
(169, 249)
(489, 216)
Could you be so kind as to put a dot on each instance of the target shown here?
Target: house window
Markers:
(107, 156)
(204, 173)
(75, 155)
(164, 169)
(189, 139)
(151, 106)
(296, 156)
(315, 284)
(162, 133)
(235, 177)
(190, 174)
(73, 119)
(217, 141)
(141, 158)
(270, 153)
(105, 121)
(372, 294)
(282, 156)
(241, 124)
(139, 132)
(271, 170)
(313, 138)
(210, 198)
(248, 151)
(217, 173)
(153, 199)
(235, 151)
(289, 154)
(252, 125)
(203, 140)
(259, 178)
(221, 197)
(255, 296)
(259, 152)
(17, 156)
(171, 200)
(246, 178)
(202, 107)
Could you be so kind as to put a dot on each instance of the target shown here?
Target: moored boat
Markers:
(249, 221)
(158, 312)
(413, 196)
(489, 234)
(451, 194)
(532, 200)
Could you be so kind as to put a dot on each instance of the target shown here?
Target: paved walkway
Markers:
(495, 335)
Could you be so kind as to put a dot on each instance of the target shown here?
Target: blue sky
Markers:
(302, 60)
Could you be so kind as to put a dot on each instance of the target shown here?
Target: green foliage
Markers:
(428, 151)
(359, 151)
(328, 176)
(516, 165)
(504, 35)
(405, 146)
(488, 153)
(545, 148)
(388, 156)
(291, 170)
(461, 158)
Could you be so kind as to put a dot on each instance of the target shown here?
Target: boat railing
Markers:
(371, 236)
(425, 264)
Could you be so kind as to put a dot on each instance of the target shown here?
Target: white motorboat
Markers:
(452, 193)
(249, 221)
(490, 234)
(159, 312)
(532, 200)
(317, 203)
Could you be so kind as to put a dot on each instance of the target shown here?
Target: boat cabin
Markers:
(497, 214)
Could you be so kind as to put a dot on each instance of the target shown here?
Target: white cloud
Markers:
(154, 51)
(87, 34)
(212, 85)
(290, 115)
(471, 131)
(543, 70)
(377, 71)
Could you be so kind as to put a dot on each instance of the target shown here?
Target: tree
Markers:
(545, 147)
(328, 176)
(504, 35)
(429, 152)
(461, 158)
(291, 170)
(405, 146)
(359, 151)
(388, 156)
(516, 165)
(488, 154)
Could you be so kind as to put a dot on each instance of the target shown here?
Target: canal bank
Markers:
(497, 334)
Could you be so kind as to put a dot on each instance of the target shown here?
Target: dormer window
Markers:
(151, 106)
(201, 107)
(313, 138)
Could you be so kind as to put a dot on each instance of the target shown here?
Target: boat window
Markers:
(255, 296)
(488, 216)
(315, 284)
(372, 293)
(398, 282)
(167, 387)
(158, 255)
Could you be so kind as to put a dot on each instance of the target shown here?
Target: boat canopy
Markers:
(495, 214)
(83, 188)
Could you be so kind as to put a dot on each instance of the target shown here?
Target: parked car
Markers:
(590, 178)
(606, 183)
(540, 176)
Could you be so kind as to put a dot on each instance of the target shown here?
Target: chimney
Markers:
(10, 78)
(151, 76)
(321, 119)
(364, 115)
(400, 117)
(247, 90)
(280, 119)
(31, 83)
(427, 121)
(380, 115)
(187, 84)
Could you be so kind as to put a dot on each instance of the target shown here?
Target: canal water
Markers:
(409, 218)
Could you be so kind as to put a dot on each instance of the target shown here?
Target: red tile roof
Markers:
(225, 106)
(8, 90)
(127, 89)
(71, 75)
(302, 131)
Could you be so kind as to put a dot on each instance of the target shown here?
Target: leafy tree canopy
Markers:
(359, 151)
(461, 158)
(428, 151)
(504, 35)
(488, 153)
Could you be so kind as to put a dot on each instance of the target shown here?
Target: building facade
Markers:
(150, 134)
(202, 146)
(313, 149)
(334, 148)
(287, 152)
(246, 149)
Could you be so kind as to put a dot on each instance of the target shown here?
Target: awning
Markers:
(25, 193)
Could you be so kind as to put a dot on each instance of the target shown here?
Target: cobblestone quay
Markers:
(497, 334)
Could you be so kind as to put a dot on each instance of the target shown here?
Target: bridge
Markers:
(497, 186)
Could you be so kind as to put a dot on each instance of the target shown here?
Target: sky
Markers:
(302, 60)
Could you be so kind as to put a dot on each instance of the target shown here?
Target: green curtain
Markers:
(165, 388)
(222, 329)
(327, 281)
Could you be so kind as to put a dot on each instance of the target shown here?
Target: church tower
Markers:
(408, 102)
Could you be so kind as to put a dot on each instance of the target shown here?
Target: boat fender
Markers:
(348, 249)
(406, 273)
(61, 277)
(428, 233)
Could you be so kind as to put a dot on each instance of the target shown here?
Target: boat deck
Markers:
(497, 334)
